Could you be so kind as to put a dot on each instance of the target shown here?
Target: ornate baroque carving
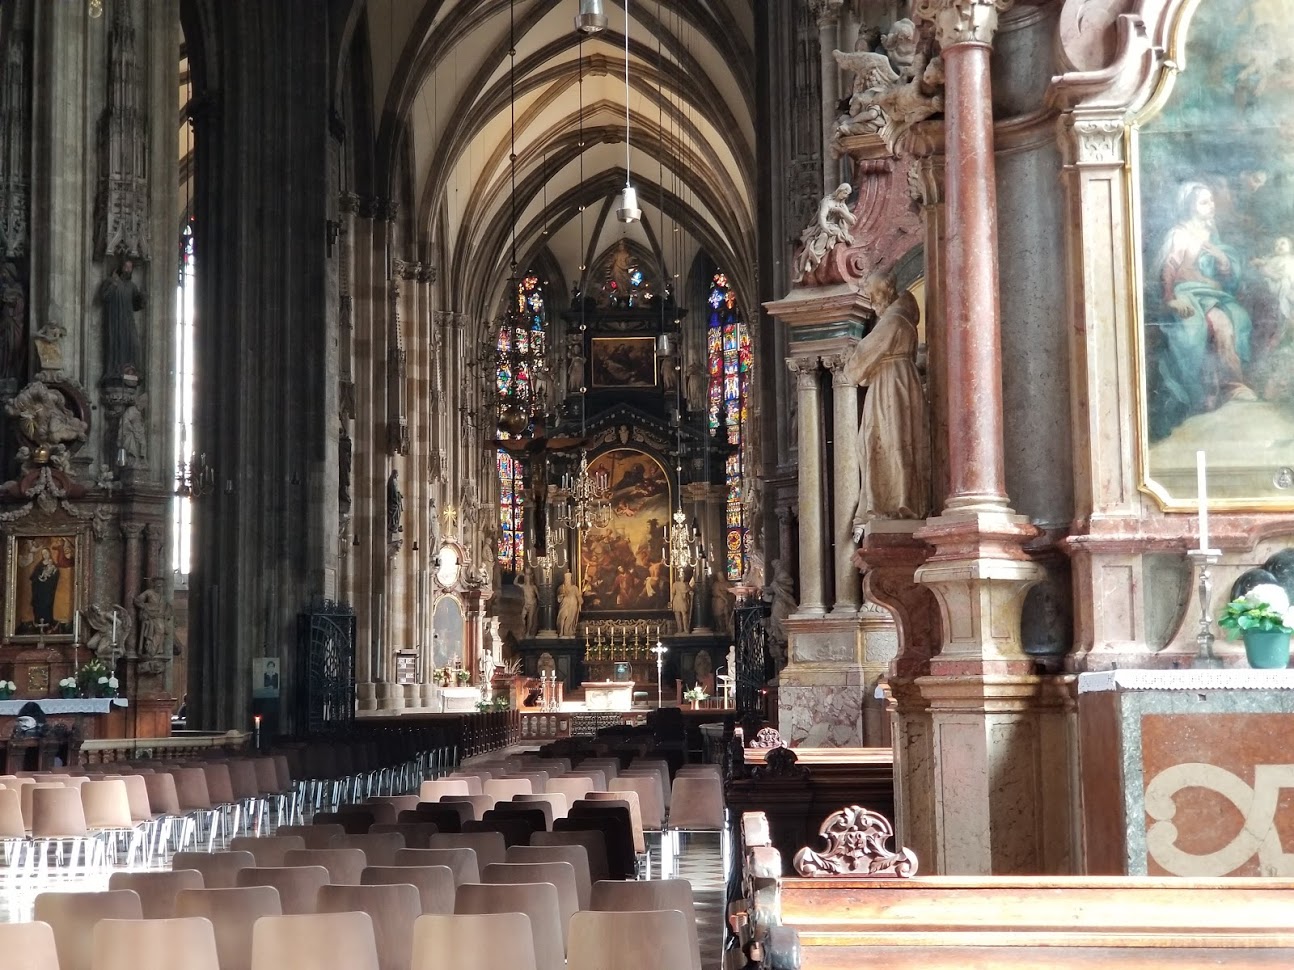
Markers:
(121, 208)
(962, 21)
(1092, 141)
(856, 839)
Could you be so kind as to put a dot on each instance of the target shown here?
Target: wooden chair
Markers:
(473, 782)
(488, 846)
(482, 941)
(594, 844)
(416, 835)
(27, 946)
(72, 917)
(555, 801)
(153, 944)
(651, 801)
(576, 856)
(298, 886)
(57, 818)
(219, 869)
(344, 865)
(461, 862)
(233, 913)
(328, 941)
(316, 836)
(435, 884)
(626, 896)
(629, 941)
(446, 818)
(571, 789)
(430, 791)
(502, 789)
(270, 850)
(559, 875)
(157, 890)
(478, 805)
(392, 908)
(515, 829)
(379, 848)
(627, 797)
(537, 900)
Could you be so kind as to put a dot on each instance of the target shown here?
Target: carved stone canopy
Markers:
(856, 845)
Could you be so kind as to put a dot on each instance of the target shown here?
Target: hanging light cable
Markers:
(516, 350)
(629, 210)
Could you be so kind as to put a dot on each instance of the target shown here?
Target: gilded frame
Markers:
(61, 593)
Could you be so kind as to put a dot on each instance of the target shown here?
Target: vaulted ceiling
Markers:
(443, 97)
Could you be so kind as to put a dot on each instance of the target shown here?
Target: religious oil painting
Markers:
(623, 361)
(43, 599)
(623, 566)
(1214, 207)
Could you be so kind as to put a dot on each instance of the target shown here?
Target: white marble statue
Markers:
(570, 602)
(529, 602)
(829, 229)
(893, 434)
(680, 601)
(895, 84)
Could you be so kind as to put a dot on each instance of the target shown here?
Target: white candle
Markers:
(1203, 499)
(114, 627)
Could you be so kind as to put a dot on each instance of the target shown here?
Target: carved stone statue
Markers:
(13, 323)
(893, 434)
(132, 435)
(619, 286)
(394, 504)
(121, 301)
(49, 347)
(914, 100)
(781, 592)
(104, 639)
(895, 84)
(345, 456)
(43, 419)
(574, 363)
(830, 229)
(680, 601)
(529, 602)
(722, 601)
(156, 621)
(694, 386)
(485, 664)
(570, 602)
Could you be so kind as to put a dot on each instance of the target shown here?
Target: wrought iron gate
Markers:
(326, 655)
(754, 666)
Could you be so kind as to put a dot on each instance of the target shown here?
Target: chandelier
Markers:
(587, 506)
(682, 542)
(194, 478)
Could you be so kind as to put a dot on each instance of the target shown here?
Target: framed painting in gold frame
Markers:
(44, 587)
(623, 361)
(1212, 205)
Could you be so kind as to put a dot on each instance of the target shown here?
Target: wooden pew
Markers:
(1053, 922)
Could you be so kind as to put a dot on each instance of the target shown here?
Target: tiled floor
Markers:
(699, 860)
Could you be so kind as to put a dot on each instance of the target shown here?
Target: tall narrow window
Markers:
(522, 344)
(185, 316)
(728, 360)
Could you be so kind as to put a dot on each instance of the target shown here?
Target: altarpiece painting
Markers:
(43, 592)
(1213, 203)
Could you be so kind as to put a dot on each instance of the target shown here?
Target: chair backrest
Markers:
(219, 869)
(435, 884)
(242, 776)
(379, 848)
(576, 856)
(392, 908)
(269, 850)
(610, 767)
(488, 846)
(415, 834)
(28, 946)
(191, 789)
(651, 801)
(536, 900)
(570, 789)
(660, 766)
(634, 895)
(267, 777)
(629, 799)
(446, 818)
(327, 941)
(283, 771)
(298, 886)
(473, 782)
(556, 802)
(72, 916)
(614, 822)
(477, 804)
(354, 820)
(537, 776)
(343, 865)
(538, 814)
(430, 791)
(157, 889)
(141, 809)
(462, 862)
(56, 812)
(596, 778)
(697, 804)
(593, 842)
(163, 797)
(11, 823)
(629, 941)
(401, 803)
(380, 812)
(516, 829)
(479, 941)
(317, 836)
(153, 944)
(106, 804)
(559, 875)
(502, 789)
(220, 786)
(233, 913)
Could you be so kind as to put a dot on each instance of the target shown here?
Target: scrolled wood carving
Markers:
(856, 845)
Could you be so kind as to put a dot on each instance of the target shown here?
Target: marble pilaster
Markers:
(845, 484)
(813, 523)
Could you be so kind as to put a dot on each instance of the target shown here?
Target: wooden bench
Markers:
(1053, 922)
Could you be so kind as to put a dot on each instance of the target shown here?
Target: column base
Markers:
(366, 696)
(390, 697)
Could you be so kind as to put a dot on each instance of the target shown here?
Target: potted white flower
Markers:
(113, 684)
(1263, 618)
(696, 695)
(7, 689)
(67, 686)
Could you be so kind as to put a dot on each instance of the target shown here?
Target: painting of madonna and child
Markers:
(622, 564)
(1215, 183)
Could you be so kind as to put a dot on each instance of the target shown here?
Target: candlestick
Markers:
(660, 650)
(1204, 656)
(1202, 496)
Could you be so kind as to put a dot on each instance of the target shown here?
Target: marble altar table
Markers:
(1187, 772)
(608, 695)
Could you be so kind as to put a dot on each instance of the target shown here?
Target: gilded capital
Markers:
(962, 21)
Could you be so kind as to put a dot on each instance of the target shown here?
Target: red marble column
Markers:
(972, 313)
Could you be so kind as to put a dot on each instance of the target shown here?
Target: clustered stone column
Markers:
(813, 524)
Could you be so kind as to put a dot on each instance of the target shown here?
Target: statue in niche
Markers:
(893, 434)
(13, 324)
(694, 386)
(781, 593)
(121, 300)
(156, 621)
(524, 580)
(570, 602)
(619, 284)
(107, 635)
(345, 456)
(831, 228)
(44, 421)
(132, 435)
(49, 347)
(394, 504)
(574, 363)
(680, 602)
(722, 602)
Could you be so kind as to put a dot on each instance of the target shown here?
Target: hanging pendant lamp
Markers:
(590, 19)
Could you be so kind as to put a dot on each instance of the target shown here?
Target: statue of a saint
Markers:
(13, 323)
(155, 621)
(121, 301)
(893, 434)
(781, 593)
(619, 286)
(722, 602)
(132, 435)
(394, 504)
(345, 456)
(680, 601)
(829, 229)
(570, 601)
(529, 602)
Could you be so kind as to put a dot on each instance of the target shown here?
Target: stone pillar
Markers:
(827, 13)
(846, 482)
(813, 523)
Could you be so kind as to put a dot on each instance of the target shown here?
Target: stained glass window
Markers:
(728, 362)
(522, 344)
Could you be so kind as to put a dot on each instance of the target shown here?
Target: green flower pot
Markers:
(1267, 650)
